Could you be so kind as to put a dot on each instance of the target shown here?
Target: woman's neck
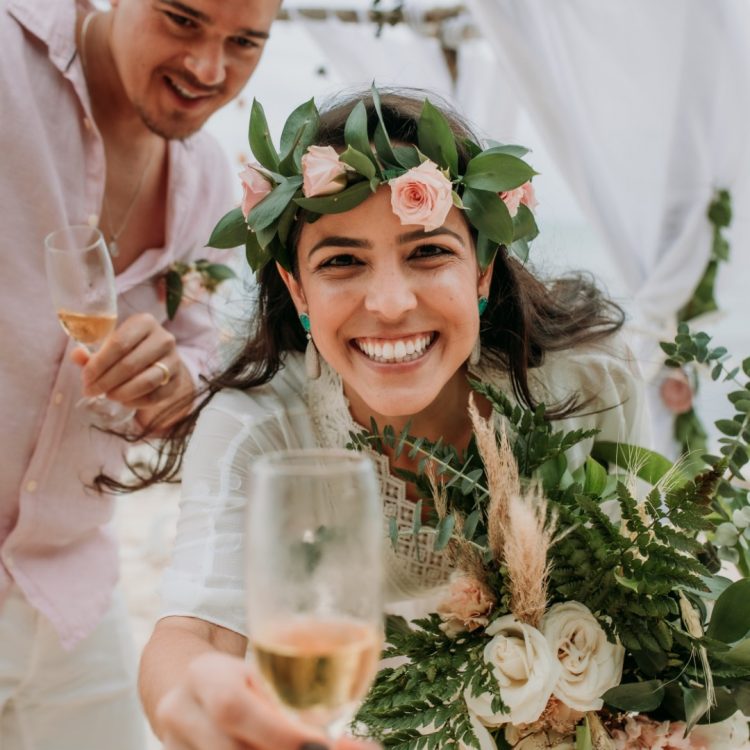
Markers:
(446, 418)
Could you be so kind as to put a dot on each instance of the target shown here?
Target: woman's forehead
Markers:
(374, 220)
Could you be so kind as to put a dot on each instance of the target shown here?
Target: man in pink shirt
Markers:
(99, 125)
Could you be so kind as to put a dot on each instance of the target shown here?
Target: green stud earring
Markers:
(482, 303)
(304, 318)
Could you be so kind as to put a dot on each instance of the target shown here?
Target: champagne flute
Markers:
(314, 581)
(81, 281)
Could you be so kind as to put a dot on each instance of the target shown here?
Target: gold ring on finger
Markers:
(166, 375)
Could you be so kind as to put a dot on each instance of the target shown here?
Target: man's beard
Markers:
(174, 133)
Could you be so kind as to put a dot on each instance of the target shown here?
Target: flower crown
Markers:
(494, 191)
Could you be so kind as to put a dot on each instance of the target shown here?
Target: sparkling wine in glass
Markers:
(314, 581)
(81, 281)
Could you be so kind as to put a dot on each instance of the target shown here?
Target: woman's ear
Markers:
(295, 288)
(485, 279)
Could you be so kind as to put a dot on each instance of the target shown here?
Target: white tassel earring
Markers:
(312, 358)
(476, 352)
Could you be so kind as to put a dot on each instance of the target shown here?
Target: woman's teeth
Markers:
(397, 350)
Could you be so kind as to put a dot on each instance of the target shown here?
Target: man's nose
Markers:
(206, 63)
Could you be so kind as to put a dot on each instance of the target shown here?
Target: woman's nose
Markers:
(390, 295)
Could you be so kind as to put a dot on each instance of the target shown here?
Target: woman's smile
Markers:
(393, 350)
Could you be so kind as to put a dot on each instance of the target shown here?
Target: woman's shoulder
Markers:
(285, 394)
(610, 353)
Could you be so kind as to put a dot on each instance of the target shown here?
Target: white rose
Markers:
(590, 664)
(525, 669)
(732, 732)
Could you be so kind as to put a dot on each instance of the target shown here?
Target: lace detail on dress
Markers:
(414, 567)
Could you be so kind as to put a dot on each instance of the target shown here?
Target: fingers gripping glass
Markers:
(314, 581)
(81, 281)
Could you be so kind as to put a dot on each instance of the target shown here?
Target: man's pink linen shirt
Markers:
(54, 537)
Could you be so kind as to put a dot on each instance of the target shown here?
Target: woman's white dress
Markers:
(205, 577)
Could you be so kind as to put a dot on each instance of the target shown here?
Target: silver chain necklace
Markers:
(114, 234)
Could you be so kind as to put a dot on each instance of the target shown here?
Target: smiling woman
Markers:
(387, 244)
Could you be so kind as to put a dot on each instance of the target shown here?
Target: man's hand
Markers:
(125, 369)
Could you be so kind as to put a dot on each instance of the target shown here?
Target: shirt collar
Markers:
(52, 22)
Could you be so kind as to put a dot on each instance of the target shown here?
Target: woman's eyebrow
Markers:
(420, 234)
(336, 240)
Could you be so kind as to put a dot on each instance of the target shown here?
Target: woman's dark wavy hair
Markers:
(526, 318)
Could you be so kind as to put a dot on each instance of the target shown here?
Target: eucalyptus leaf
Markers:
(520, 248)
(436, 139)
(407, 156)
(489, 215)
(730, 619)
(696, 705)
(524, 224)
(381, 137)
(445, 531)
(355, 130)
(497, 172)
(346, 200)
(220, 272)
(256, 256)
(173, 282)
(495, 147)
(636, 696)
(486, 250)
(300, 128)
(230, 231)
(272, 206)
(595, 478)
(739, 654)
(358, 161)
(260, 138)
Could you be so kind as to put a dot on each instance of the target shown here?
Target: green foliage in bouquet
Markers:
(645, 568)
(730, 504)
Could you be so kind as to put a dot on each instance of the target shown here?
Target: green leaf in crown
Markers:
(304, 178)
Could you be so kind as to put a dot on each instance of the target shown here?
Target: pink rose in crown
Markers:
(322, 172)
(675, 391)
(523, 195)
(422, 196)
(255, 187)
(466, 606)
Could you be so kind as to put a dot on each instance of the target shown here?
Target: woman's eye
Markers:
(430, 251)
(181, 21)
(340, 261)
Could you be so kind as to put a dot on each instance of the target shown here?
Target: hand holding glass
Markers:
(314, 581)
(81, 281)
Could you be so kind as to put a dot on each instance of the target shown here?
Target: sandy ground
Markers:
(145, 522)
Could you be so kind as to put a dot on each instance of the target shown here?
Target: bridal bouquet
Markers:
(584, 614)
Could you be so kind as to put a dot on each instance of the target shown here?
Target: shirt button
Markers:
(31, 485)
(57, 400)
(87, 123)
(93, 220)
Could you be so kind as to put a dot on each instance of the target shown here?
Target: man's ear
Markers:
(295, 288)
